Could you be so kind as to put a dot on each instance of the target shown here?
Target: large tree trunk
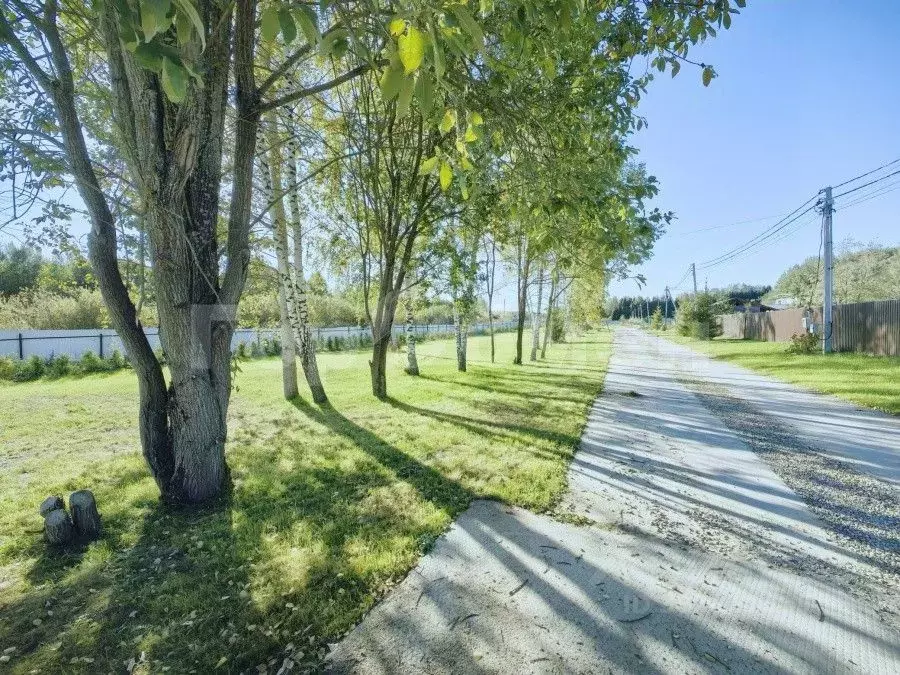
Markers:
(536, 318)
(378, 365)
(412, 364)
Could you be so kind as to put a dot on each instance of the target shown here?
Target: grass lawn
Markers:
(872, 381)
(331, 505)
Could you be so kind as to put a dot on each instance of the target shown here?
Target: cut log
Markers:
(84, 513)
(58, 527)
(52, 503)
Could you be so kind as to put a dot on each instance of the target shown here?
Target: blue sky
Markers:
(808, 95)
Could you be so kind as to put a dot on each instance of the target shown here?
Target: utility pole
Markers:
(694, 274)
(666, 300)
(828, 303)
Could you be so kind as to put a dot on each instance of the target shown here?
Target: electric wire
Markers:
(763, 237)
(867, 173)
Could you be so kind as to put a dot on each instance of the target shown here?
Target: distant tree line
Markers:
(862, 272)
(722, 300)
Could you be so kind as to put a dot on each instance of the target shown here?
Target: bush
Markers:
(91, 363)
(242, 351)
(557, 326)
(7, 368)
(695, 318)
(116, 361)
(59, 366)
(83, 309)
(255, 350)
(30, 369)
(804, 343)
(656, 319)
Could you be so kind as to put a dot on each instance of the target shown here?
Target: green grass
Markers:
(871, 381)
(331, 505)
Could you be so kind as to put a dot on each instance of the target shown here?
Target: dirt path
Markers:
(698, 552)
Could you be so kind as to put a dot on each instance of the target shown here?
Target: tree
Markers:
(20, 267)
(167, 70)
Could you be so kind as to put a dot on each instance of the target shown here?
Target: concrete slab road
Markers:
(693, 554)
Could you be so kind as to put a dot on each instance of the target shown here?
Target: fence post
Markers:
(101, 345)
(21, 348)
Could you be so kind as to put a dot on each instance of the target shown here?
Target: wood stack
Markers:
(60, 529)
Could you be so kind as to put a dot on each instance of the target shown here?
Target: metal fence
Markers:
(867, 327)
(23, 344)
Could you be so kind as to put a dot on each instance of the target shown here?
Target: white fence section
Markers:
(23, 344)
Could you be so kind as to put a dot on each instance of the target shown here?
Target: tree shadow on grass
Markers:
(483, 427)
(287, 557)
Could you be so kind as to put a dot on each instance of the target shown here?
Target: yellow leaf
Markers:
(448, 121)
(446, 176)
(412, 49)
(396, 27)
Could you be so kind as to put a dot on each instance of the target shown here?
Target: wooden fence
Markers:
(868, 327)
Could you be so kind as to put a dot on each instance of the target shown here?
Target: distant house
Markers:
(784, 302)
(754, 308)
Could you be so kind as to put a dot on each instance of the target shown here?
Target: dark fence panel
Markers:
(866, 327)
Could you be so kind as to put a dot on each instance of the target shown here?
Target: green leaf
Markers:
(448, 122)
(676, 66)
(270, 23)
(183, 28)
(438, 54)
(288, 27)
(425, 92)
(404, 96)
(708, 74)
(153, 17)
(446, 176)
(471, 136)
(428, 166)
(469, 25)
(174, 80)
(186, 8)
(391, 80)
(308, 24)
(411, 48)
(477, 119)
(149, 57)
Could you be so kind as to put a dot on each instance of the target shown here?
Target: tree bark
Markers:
(378, 365)
(460, 341)
(288, 351)
(524, 269)
(58, 528)
(412, 364)
(536, 319)
(85, 516)
(548, 322)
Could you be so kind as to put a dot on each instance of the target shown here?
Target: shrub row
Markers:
(62, 365)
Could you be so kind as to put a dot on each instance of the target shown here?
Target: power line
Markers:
(763, 236)
(867, 173)
(883, 190)
(740, 222)
(865, 185)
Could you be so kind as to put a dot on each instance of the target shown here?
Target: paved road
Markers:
(691, 552)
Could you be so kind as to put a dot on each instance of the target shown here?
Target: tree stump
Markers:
(84, 513)
(58, 527)
(52, 503)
